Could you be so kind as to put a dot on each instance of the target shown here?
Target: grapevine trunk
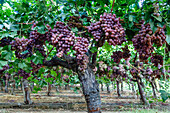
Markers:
(153, 89)
(1, 84)
(90, 89)
(48, 89)
(108, 88)
(27, 99)
(118, 89)
(141, 92)
(6, 84)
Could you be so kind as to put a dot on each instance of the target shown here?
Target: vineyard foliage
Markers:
(47, 40)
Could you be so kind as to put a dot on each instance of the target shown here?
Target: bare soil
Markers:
(68, 101)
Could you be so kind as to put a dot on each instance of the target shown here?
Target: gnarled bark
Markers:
(87, 78)
(25, 88)
(141, 92)
(118, 89)
(1, 84)
(6, 83)
(108, 88)
(12, 87)
(122, 86)
(57, 89)
(32, 86)
(90, 90)
(102, 87)
(48, 89)
(153, 89)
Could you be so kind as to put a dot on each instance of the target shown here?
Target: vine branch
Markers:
(112, 5)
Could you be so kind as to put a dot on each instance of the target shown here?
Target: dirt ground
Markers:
(68, 101)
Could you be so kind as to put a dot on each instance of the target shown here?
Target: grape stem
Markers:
(49, 53)
(112, 5)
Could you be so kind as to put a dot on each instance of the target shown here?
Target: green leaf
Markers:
(3, 63)
(164, 95)
(6, 55)
(53, 73)
(74, 29)
(37, 58)
(36, 89)
(41, 29)
(7, 25)
(12, 34)
(130, 18)
(94, 49)
(24, 52)
(158, 18)
(1, 26)
(22, 65)
(168, 34)
(153, 27)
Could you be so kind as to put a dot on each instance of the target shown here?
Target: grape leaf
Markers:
(168, 34)
(157, 18)
(130, 18)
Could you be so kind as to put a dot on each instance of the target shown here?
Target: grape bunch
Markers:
(126, 52)
(143, 42)
(81, 47)
(133, 72)
(38, 41)
(157, 59)
(35, 67)
(74, 21)
(159, 37)
(117, 56)
(156, 74)
(156, 9)
(109, 27)
(96, 30)
(148, 71)
(20, 45)
(5, 41)
(115, 73)
(23, 74)
(62, 38)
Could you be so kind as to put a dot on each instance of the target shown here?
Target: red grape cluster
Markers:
(5, 41)
(157, 59)
(62, 38)
(38, 41)
(109, 27)
(20, 45)
(143, 42)
(159, 37)
(96, 30)
(133, 72)
(148, 71)
(115, 73)
(81, 47)
(157, 74)
(74, 21)
(118, 55)
(156, 9)
(35, 67)
(126, 52)
(23, 74)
